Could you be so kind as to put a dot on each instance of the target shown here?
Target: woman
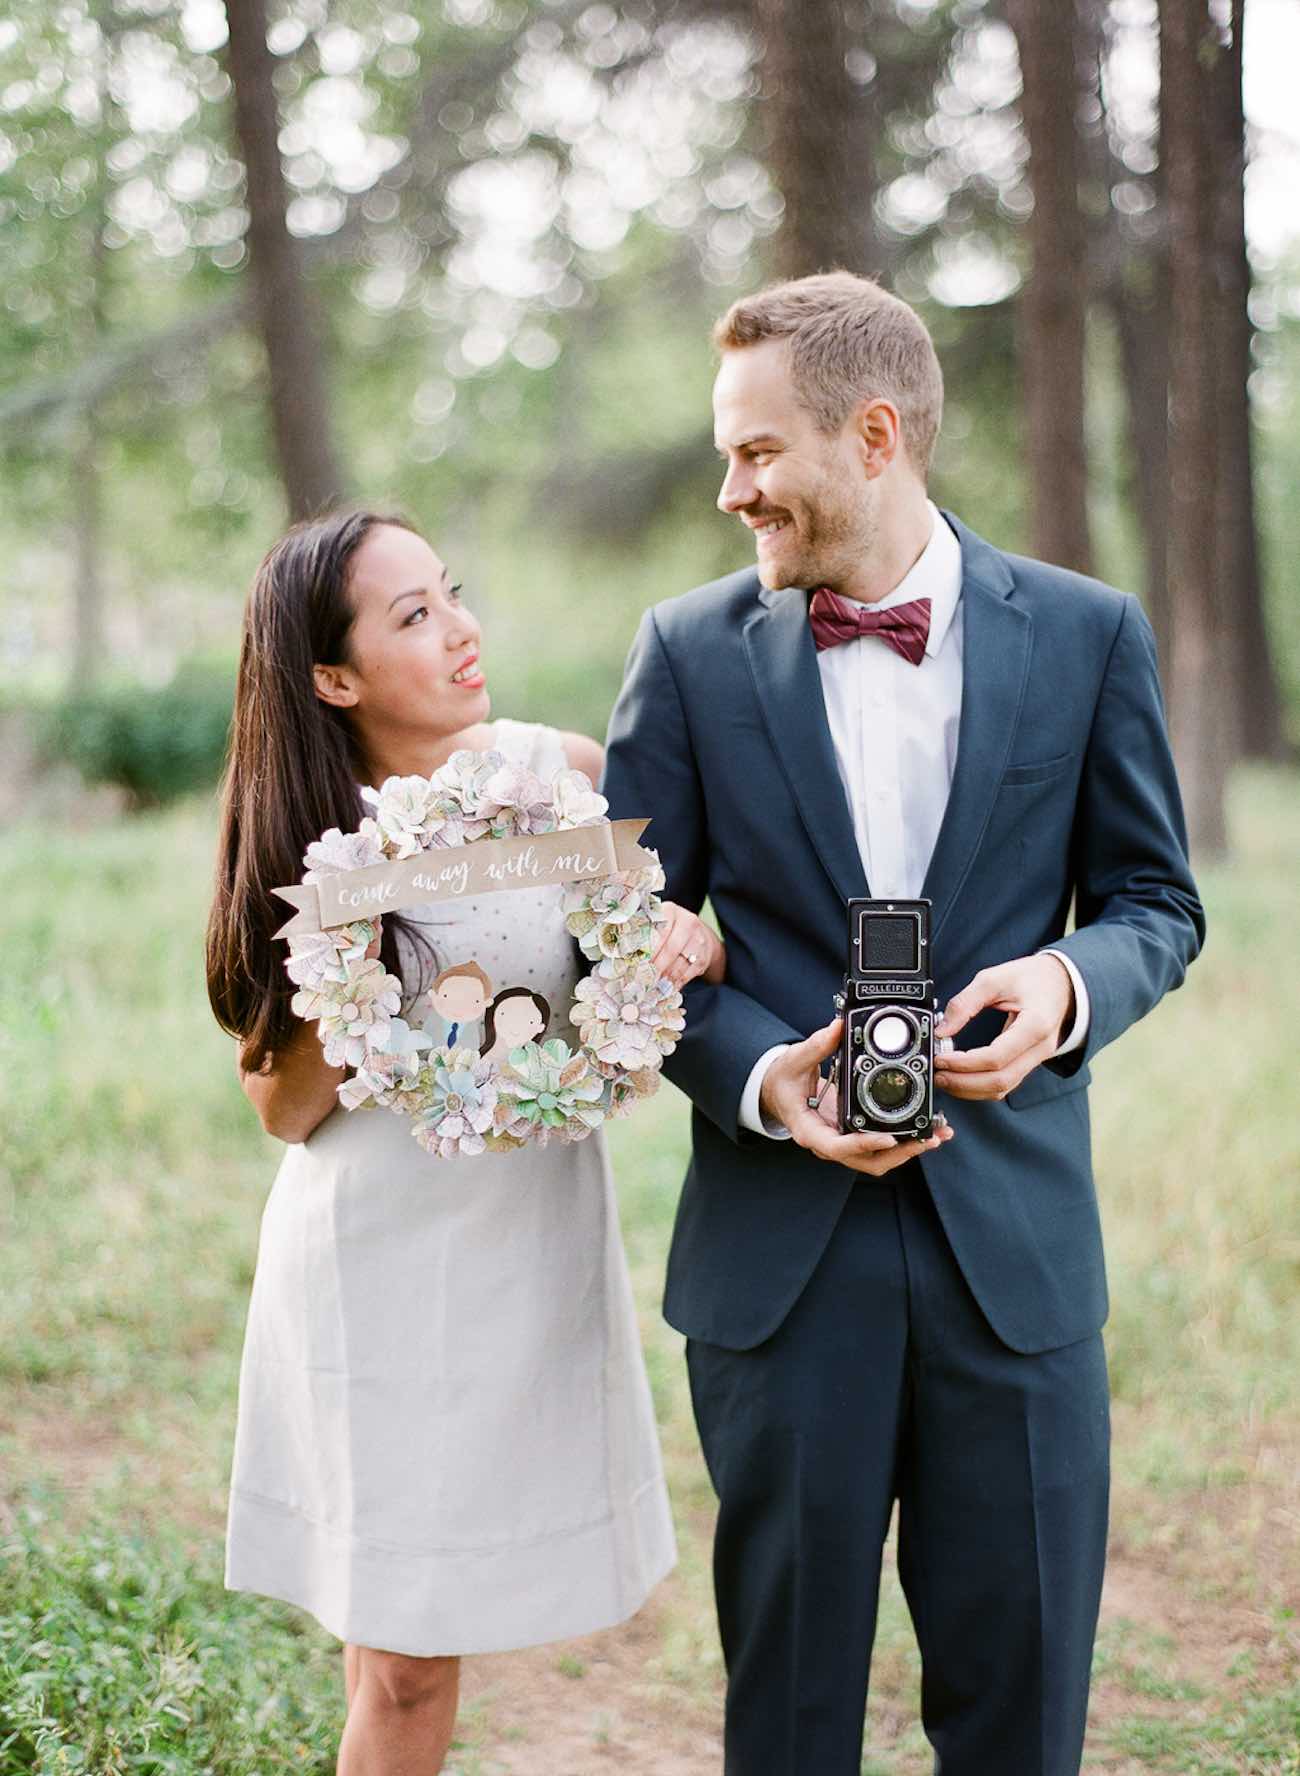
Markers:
(517, 1015)
(445, 1441)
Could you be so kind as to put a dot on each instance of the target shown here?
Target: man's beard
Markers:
(841, 534)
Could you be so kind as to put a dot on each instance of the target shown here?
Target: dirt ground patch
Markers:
(1194, 1616)
(1198, 1612)
(591, 1707)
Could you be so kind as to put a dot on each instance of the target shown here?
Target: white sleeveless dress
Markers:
(445, 1440)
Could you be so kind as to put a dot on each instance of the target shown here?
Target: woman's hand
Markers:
(689, 949)
(372, 949)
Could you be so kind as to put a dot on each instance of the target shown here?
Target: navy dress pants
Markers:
(885, 1382)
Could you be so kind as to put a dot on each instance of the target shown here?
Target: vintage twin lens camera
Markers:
(886, 1060)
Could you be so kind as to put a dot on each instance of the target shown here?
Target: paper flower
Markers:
(650, 880)
(550, 1088)
(335, 851)
(515, 800)
(316, 957)
(510, 1127)
(629, 1016)
(461, 783)
(447, 824)
(353, 1019)
(385, 1078)
(459, 1106)
(576, 802)
(622, 1094)
(401, 807)
(610, 919)
(390, 1076)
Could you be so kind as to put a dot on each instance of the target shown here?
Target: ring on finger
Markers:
(691, 957)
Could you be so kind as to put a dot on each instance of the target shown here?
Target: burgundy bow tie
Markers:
(904, 627)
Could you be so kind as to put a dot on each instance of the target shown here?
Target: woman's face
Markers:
(517, 1021)
(413, 669)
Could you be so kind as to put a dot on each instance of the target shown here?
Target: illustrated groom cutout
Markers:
(458, 998)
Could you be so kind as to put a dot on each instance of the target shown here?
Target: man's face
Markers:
(802, 493)
(460, 999)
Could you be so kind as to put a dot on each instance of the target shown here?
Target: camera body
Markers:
(886, 1058)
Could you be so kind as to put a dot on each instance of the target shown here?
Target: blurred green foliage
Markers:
(155, 742)
(534, 391)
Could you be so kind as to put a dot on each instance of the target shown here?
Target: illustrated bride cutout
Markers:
(516, 1016)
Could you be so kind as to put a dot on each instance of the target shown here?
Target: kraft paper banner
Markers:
(462, 871)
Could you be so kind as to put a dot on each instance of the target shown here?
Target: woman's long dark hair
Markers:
(292, 771)
(489, 1016)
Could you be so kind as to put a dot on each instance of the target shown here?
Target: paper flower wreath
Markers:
(626, 1016)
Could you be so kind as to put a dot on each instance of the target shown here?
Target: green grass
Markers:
(131, 1180)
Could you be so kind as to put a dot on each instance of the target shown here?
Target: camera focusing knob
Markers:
(839, 1002)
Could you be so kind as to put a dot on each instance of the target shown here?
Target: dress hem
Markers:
(455, 1603)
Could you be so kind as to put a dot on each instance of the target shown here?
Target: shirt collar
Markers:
(936, 575)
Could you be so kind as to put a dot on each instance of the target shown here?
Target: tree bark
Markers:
(87, 528)
(298, 405)
(1139, 303)
(819, 139)
(88, 649)
(1054, 304)
(1202, 674)
(1238, 568)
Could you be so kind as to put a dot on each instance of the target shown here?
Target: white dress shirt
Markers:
(894, 729)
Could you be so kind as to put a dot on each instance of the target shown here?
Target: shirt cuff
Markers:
(751, 1117)
(1078, 1033)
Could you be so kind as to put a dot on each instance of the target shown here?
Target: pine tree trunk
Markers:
(1202, 673)
(1053, 307)
(819, 139)
(299, 408)
(1140, 306)
(88, 649)
(1257, 696)
(87, 530)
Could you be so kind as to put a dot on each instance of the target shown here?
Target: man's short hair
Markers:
(471, 969)
(850, 340)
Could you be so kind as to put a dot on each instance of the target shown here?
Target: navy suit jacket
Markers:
(1064, 792)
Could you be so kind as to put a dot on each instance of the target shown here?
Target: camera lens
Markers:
(890, 1089)
(892, 1034)
(889, 1093)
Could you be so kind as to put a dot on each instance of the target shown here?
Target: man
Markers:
(458, 999)
(889, 705)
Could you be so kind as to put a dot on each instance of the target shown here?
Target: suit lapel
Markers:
(995, 663)
(783, 664)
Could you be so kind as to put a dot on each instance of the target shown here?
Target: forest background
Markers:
(464, 259)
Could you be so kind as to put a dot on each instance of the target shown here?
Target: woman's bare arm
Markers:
(584, 754)
(297, 1090)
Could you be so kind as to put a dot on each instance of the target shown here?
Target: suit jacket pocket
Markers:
(1041, 772)
(1043, 1086)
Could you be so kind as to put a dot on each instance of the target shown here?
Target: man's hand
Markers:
(1038, 997)
(793, 1078)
